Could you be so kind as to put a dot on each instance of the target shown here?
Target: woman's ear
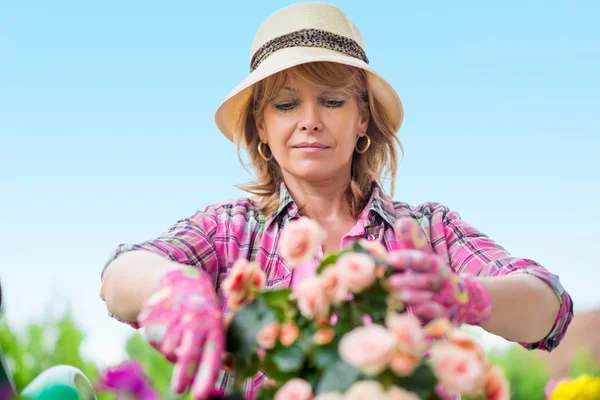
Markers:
(363, 122)
(260, 128)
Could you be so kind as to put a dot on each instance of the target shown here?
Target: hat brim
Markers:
(230, 112)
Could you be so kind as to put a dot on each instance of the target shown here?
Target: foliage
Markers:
(31, 350)
(41, 345)
(352, 289)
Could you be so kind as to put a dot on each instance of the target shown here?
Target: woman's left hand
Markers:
(428, 287)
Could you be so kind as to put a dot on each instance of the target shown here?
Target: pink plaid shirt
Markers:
(214, 238)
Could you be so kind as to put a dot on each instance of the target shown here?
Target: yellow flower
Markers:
(583, 388)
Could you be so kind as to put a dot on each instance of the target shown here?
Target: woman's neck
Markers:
(325, 201)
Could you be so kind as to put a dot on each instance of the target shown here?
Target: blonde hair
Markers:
(381, 158)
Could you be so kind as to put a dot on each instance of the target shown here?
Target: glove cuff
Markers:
(479, 306)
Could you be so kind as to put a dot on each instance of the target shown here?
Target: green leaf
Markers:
(326, 355)
(331, 259)
(310, 375)
(277, 298)
(350, 316)
(291, 358)
(422, 381)
(373, 302)
(266, 394)
(279, 301)
(339, 377)
(435, 396)
(271, 370)
(248, 320)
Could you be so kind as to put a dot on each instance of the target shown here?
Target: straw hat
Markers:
(298, 34)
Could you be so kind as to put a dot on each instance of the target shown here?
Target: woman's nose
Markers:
(311, 120)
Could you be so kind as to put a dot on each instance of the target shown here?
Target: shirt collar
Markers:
(285, 207)
(379, 204)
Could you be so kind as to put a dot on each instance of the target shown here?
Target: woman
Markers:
(320, 127)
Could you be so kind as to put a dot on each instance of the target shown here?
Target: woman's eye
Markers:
(285, 106)
(334, 103)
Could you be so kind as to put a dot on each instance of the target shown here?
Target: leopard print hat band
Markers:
(309, 38)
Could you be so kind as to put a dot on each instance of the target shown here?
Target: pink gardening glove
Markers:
(183, 322)
(428, 287)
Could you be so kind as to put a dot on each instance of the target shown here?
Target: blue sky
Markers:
(107, 132)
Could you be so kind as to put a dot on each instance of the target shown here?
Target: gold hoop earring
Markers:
(366, 147)
(261, 154)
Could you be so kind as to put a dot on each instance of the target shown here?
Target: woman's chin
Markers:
(315, 174)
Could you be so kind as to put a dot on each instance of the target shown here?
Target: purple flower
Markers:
(127, 380)
(6, 391)
(216, 394)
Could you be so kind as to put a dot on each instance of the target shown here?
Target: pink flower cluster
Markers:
(461, 367)
(245, 279)
(299, 389)
(458, 362)
(352, 273)
(399, 345)
(299, 240)
(287, 334)
(373, 348)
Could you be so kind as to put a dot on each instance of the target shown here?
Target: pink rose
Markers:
(244, 277)
(356, 271)
(496, 384)
(403, 364)
(409, 334)
(466, 342)
(374, 247)
(438, 328)
(459, 371)
(299, 240)
(323, 336)
(294, 389)
(364, 390)
(289, 334)
(336, 292)
(267, 335)
(397, 393)
(330, 396)
(368, 348)
(312, 299)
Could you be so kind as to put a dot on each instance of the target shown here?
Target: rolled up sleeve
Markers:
(189, 241)
(469, 251)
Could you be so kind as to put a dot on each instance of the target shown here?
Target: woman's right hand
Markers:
(183, 321)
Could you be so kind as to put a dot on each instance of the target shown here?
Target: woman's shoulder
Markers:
(393, 210)
(429, 210)
(233, 207)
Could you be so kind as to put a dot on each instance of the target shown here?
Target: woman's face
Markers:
(312, 131)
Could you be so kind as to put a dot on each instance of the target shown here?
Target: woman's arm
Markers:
(529, 303)
(132, 273)
(524, 308)
(130, 280)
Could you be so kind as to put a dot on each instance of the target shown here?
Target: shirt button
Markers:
(371, 237)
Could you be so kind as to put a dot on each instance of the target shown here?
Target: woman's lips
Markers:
(310, 147)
